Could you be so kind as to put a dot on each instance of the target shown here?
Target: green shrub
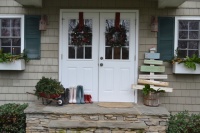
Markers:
(12, 118)
(183, 122)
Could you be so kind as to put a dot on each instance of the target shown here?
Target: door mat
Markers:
(115, 104)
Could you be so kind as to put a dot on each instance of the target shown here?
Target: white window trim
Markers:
(176, 28)
(22, 26)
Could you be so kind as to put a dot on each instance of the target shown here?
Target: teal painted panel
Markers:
(152, 68)
(165, 37)
(32, 36)
(153, 62)
(152, 55)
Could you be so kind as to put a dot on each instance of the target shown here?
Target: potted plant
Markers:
(12, 62)
(187, 65)
(48, 88)
(151, 96)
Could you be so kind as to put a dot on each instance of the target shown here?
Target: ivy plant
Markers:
(147, 89)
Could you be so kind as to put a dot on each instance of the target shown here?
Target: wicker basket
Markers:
(152, 99)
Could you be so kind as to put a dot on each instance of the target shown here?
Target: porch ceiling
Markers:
(35, 3)
(161, 3)
(169, 3)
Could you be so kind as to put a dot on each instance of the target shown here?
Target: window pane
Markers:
(79, 52)
(193, 45)
(194, 34)
(88, 53)
(183, 34)
(182, 53)
(183, 25)
(15, 32)
(117, 52)
(5, 22)
(6, 42)
(182, 44)
(108, 52)
(125, 53)
(192, 52)
(194, 25)
(16, 50)
(15, 22)
(71, 53)
(16, 42)
(5, 32)
(6, 49)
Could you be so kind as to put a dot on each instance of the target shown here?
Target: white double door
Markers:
(106, 72)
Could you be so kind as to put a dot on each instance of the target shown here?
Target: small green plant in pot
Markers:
(48, 88)
(151, 96)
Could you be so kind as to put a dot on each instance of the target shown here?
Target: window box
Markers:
(16, 65)
(182, 69)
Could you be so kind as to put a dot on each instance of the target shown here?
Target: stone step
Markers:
(63, 124)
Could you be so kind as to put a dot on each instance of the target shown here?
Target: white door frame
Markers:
(88, 10)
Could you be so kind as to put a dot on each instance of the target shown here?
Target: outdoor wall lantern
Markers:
(43, 22)
(154, 24)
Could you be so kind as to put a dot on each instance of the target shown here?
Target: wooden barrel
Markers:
(152, 99)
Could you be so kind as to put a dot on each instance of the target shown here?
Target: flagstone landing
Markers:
(91, 118)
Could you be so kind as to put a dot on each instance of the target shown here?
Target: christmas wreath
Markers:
(81, 36)
(116, 37)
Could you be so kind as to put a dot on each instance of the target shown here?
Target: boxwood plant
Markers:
(12, 118)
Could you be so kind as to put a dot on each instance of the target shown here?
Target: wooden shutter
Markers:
(166, 37)
(32, 36)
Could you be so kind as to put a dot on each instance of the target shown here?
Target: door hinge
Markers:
(61, 56)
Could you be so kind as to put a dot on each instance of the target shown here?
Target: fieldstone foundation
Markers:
(90, 118)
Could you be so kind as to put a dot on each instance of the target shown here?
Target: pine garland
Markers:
(81, 36)
(116, 37)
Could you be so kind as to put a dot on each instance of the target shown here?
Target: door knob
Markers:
(101, 64)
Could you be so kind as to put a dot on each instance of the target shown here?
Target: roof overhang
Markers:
(35, 3)
(170, 3)
(161, 3)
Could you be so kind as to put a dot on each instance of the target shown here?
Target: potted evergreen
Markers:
(151, 96)
(48, 88)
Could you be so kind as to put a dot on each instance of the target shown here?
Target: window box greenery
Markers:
(12, 62)
(188, 65)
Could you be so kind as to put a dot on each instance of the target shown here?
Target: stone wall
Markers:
(43, 123)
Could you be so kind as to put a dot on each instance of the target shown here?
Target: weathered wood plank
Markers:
(152, 68)
(152, 55)
(142, 76)
(140, 87)
(153, 62)
(152, 82)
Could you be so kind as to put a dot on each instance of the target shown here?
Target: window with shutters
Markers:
(12, 34)
(187, 36)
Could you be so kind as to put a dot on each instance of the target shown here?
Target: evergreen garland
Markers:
(81, 36)
(116, 37)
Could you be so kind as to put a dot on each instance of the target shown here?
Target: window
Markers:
(187, 37)
(12, 34)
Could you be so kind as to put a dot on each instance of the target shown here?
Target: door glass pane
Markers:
(125, 53)
(80, 38)
(71, 53)
(117, 39)
(108, 53)
(88, 52)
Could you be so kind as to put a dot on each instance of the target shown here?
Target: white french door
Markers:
(105, 71)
